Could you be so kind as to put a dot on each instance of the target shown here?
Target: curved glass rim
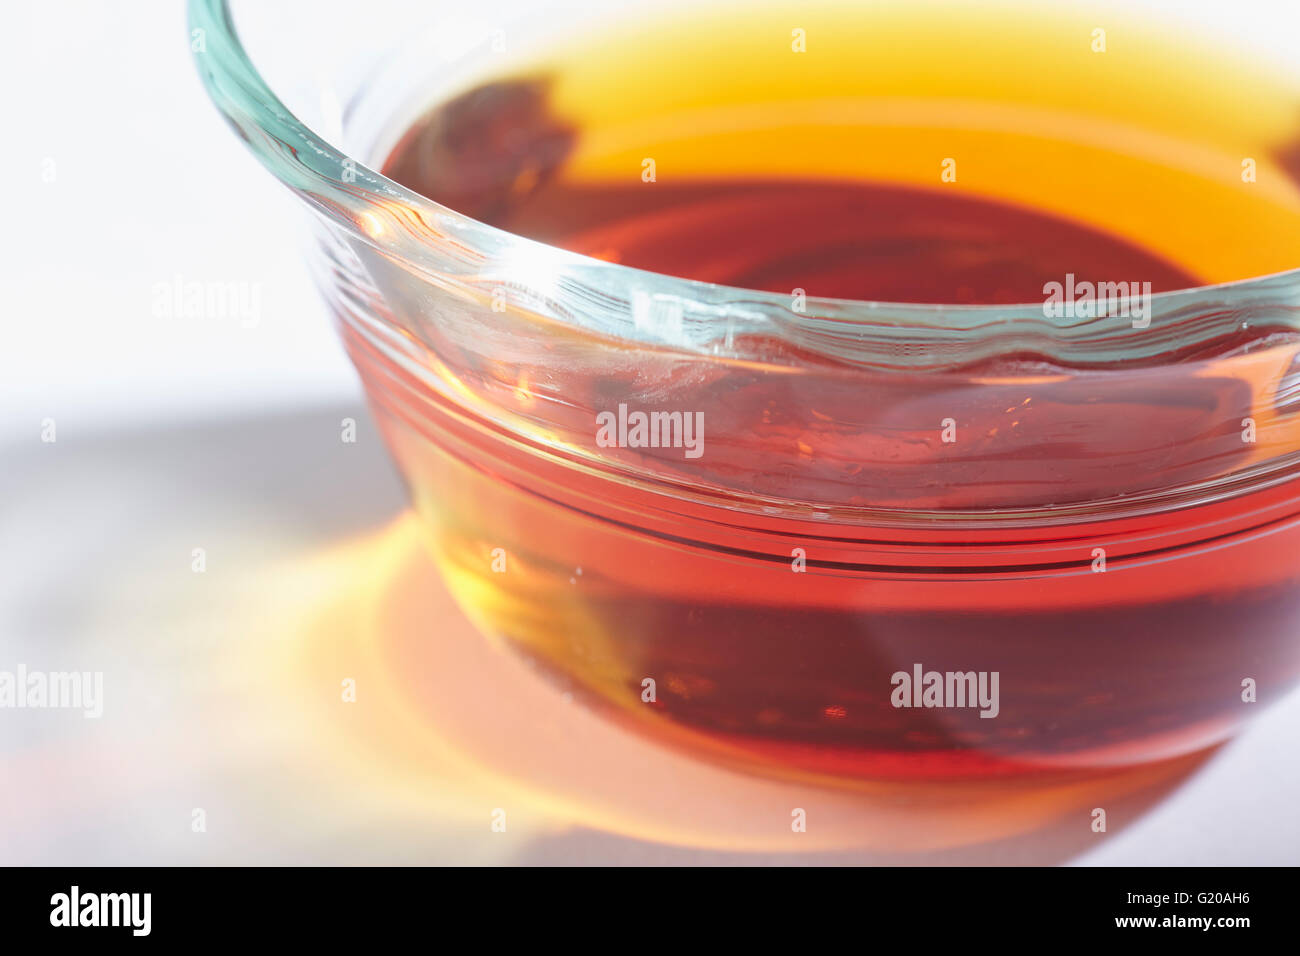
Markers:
(675, 313)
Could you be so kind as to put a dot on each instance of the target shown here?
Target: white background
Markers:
(149, 185)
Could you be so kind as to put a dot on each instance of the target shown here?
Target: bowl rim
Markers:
(452, 249)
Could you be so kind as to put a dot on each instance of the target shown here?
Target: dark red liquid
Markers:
(686, 576)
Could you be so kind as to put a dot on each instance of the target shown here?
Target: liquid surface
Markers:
(915, 156)
(848, 240)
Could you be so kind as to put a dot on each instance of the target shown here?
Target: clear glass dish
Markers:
(1100, 511)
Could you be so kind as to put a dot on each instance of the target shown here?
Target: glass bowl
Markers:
(807, 537)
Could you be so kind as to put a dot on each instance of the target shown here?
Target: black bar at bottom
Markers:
(377, 904)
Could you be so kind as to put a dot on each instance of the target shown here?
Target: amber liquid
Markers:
(1122, 165)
